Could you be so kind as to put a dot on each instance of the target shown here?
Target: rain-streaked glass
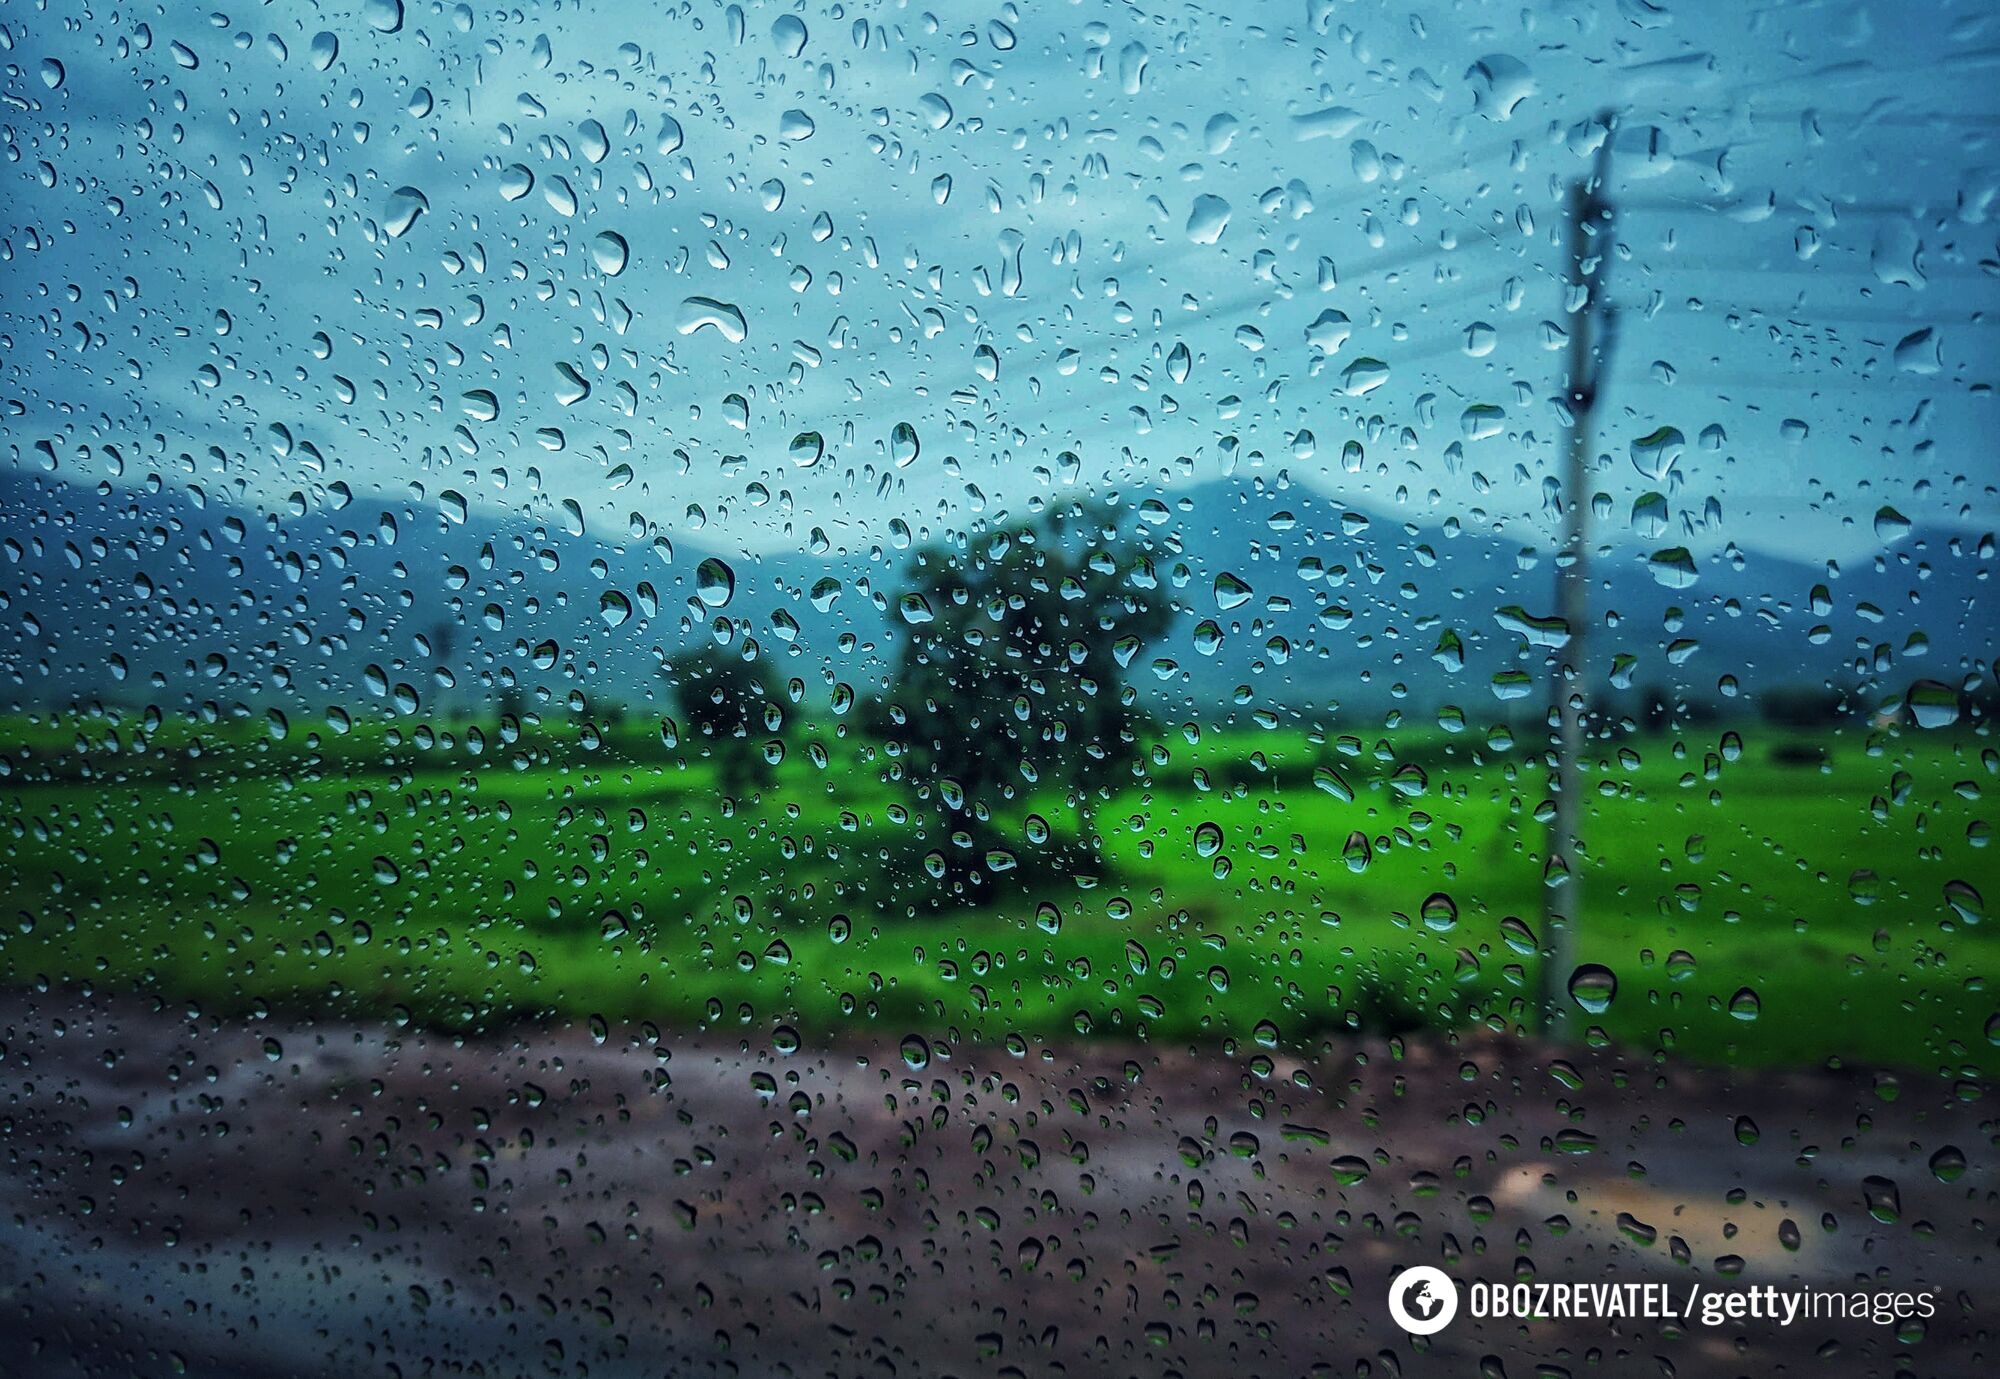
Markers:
(1035, 689)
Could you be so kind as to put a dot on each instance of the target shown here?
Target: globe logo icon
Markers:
(1423, 1300)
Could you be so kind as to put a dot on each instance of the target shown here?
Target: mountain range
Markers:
(1285, 600)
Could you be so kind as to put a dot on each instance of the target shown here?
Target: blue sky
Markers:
(1158, 239)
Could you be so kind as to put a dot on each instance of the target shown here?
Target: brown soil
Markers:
(184, 1194)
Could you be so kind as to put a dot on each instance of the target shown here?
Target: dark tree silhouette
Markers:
(443, 639)
(1812, 706)
(733, 703)
(1010, 678)
(512, 707)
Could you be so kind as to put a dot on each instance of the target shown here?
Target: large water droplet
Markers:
(1932, 704)
(610, 252)
(1593, 987)
(1657, 452)
(1499, 84)
(405, 205)
(714, 582)
(807, 448)
(1208, 219)
(788, 32)
(706, 313)
(1363, 376)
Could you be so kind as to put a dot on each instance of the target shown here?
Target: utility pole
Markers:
(1592, 334)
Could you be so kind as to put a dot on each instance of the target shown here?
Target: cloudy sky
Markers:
(876, 272)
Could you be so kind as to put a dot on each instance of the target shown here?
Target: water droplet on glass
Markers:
(807, 448)
(1363, 376)
(610, 252)
(714, 582)
(1593, 987)
(1208, 219)
(1657, 452)
(788, 33)
(405, 205)
(706, 313)
(1932, 704)
(1231, 592)
(1499, 84)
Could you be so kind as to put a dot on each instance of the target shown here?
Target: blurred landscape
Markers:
(1764, 893)
(405, 818)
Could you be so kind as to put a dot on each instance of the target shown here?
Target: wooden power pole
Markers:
(1592, 333)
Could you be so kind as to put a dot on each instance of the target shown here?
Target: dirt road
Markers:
(221, 1197)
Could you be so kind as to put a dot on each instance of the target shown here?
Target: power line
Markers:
(1862, 118)
(1822, 382)
(1676, 205)
(1829, 271)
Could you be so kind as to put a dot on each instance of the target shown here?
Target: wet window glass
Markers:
(1041, 688)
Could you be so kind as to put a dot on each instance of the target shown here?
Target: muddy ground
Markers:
(185, 1194)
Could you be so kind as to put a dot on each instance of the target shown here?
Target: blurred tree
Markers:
(512, 706)
(1656, 711)
(733, 701)
(443, 643)
(1010, 678)
(1811, 706)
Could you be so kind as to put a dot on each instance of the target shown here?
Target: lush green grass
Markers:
(233, 867)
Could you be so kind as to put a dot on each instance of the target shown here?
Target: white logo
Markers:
(1423, 1299)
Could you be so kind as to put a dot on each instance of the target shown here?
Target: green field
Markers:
(577, 873)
